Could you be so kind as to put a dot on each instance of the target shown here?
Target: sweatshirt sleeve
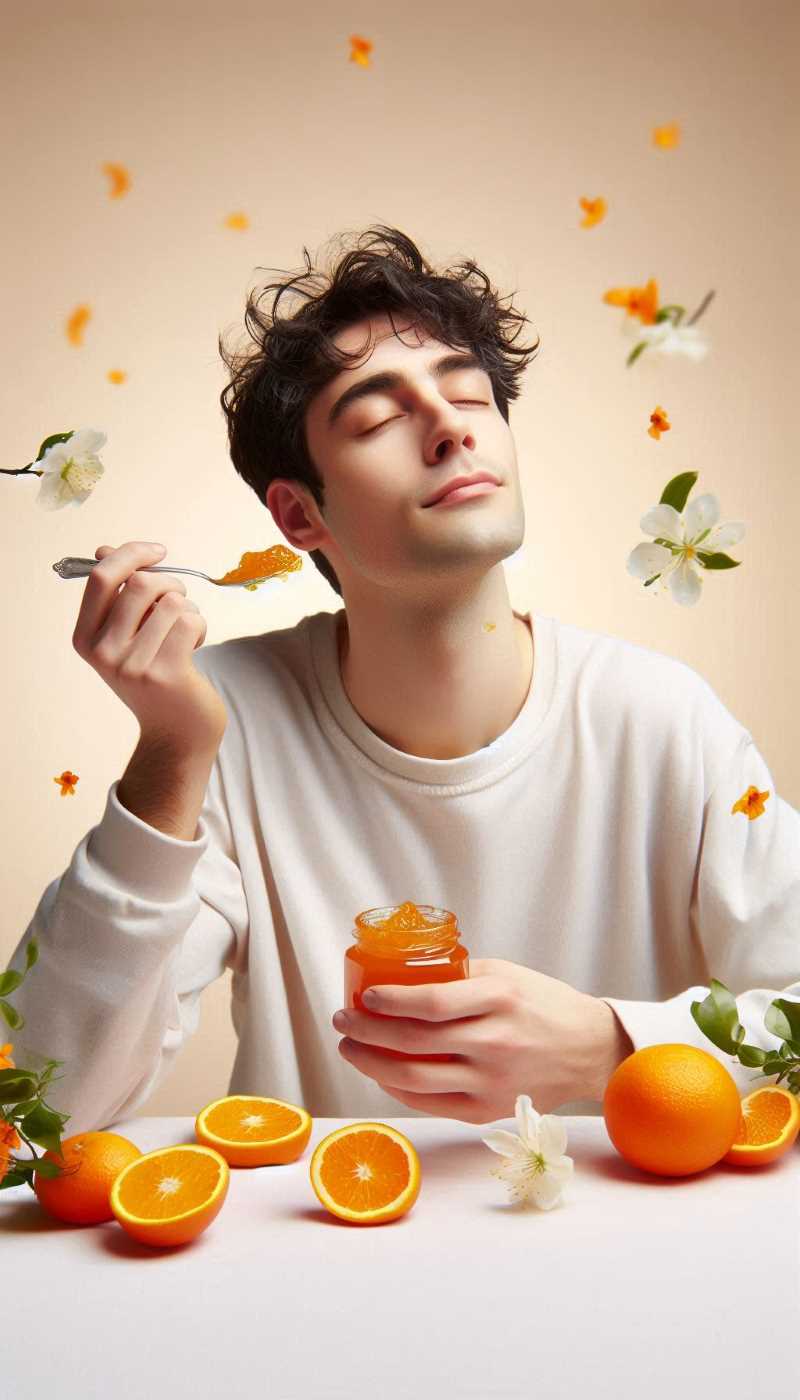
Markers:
(744, 914)
(129, 935)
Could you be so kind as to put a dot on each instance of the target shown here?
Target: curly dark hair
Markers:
(272, 385)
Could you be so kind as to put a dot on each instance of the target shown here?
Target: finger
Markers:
(418, 1076)
(100, 593)
(399, 1033)
(440, 1001)
(170, 634)
(462, 1107)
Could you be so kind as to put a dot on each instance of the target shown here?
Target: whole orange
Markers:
(671, 1109)
(90, 1162)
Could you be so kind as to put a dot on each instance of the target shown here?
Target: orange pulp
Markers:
(255, 568)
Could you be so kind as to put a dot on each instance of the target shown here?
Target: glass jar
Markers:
(406, 944)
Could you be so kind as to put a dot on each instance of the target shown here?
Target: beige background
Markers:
(475, 130)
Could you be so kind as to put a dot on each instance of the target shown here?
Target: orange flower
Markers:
(666, 136)
(638, 301)
(237, 221)
(360, 51)
(6, 1061)
(659, 421)
(77, 324)
(119, 177)
(751, 803)
(67, 781)
(595, 210)
(117, 376)
(10, 1140)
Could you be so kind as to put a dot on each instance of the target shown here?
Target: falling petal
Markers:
(119, 177)
(360, 51)
(237, 221)
(67, 781)
(751, 803)
(77, 324)
(666, 136)
(595, 210)
(117, 376)
(489, 626)
(659, 423)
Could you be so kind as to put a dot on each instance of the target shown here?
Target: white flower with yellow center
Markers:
(676, 562)
(70, 470)
(534, 1164)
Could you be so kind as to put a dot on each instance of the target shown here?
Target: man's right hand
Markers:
(138, 631)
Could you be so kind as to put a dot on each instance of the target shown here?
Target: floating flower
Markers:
(68, 466)
(638, 301)
(667, 338)
(659, 423)
(67, 781)
(71, 470)
(751, 803)
(661, 329)
(675, 560)
(666, 136)
(119, 177)
(535, 1166)
(237, 221)
(595, 210)
(361, 50)
(76, 324)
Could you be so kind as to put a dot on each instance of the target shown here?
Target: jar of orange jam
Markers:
(407, 944)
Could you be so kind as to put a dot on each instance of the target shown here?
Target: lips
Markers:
(458, 482)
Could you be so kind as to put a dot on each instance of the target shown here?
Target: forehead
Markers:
(379, 346)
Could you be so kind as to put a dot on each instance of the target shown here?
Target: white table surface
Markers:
(669, 1287)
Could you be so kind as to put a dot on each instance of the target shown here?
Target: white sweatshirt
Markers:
(593, 841)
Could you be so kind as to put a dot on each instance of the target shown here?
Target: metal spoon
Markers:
(73, 567)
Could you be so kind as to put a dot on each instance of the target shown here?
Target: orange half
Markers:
(367, 1173)
(171, 1195)
(251, 1131)
(769, 1124)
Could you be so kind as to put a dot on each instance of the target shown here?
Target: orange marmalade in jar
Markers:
(407, 944)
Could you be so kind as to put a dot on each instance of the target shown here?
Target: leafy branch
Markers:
(718, 1018)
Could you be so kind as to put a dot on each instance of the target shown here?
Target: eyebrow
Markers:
(390, 379)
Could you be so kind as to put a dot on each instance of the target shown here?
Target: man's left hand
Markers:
(510, 1031)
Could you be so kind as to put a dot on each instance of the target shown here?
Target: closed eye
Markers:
(478, 402)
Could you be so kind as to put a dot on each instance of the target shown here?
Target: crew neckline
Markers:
(345, 727)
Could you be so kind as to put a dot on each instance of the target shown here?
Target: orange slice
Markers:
(367, 1173)
(769, 1124)
(250, 1131)
(171, 1195)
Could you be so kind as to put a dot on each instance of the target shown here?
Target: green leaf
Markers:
(31, 954)
(717, 561)
(676, 491)
(44, 1167)
(636, 352)
(51, 441)
(718, 1018)
(19, 1175)
(12, 1015)
(751, 1055)
(782, 1018)
(9, 981)
(774, 1064)
(15, 1085)
(43, 1126)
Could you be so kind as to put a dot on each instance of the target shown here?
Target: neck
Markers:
(437, 682)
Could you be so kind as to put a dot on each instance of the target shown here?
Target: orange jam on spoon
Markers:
(256, 568)
(406, 944)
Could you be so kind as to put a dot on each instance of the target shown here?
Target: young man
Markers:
(568, 795)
